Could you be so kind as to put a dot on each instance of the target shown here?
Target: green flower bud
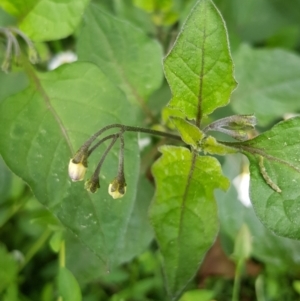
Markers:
(117, 188)
(92, 185)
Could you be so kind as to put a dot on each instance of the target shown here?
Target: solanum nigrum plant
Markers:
(89, 111)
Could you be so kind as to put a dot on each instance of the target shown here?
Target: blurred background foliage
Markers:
(265, 42)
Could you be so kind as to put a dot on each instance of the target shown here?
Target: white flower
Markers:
(76, 171)
(241, 183)
(117, 188)
(62, 58)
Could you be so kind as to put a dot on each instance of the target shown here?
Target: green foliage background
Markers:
(58, 241)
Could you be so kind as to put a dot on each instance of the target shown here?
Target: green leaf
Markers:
(9, 269)
(68, 286)
(184, 212)
(189, 133)
(199, 68)
(267, 79)
(279, 253)
(128, 57)
(252, 21)
(46, 20)
(198, 295)
(275, 174)
(18, 8)
(8, 83)
(45, 125)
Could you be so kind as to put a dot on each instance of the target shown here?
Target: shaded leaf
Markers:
(280, 253)
(267, 79)
(127, 55)
(68, 286)
(45, 125)
(184, 213)
(251, 21)
(275, 162)
(9, 269)
(199, 68)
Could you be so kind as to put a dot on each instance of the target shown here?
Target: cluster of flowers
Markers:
(79, 163)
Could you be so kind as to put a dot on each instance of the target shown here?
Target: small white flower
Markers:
(76, 171)
(241, 183)
(117, 188)
(62, 58)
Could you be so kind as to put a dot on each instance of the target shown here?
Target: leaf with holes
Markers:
(199, 68)
(127, 55)
(50, 120)
(275, 173)
(184, 211)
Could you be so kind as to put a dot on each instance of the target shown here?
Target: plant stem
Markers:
(62, 255)
(121, 158)
(237, 280)
(126, 128)
(98, 168)
(36, 247)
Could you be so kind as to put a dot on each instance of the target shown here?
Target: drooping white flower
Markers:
(76, 171)
(117, 188)
(62, 58)
(241, 183)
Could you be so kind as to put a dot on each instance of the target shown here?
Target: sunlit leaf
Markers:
(46, 20)
(189, 133)
(184, 212)
(199, 68)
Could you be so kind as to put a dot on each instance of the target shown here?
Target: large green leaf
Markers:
(252, 21)
(280, 253)
(199, 68)
(267, 79)
(138, 235)
(8, 83)
(275, 174)
(46, 20)
(127, 55)
(44, 125)
(184, 212)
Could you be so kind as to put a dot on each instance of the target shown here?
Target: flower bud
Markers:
(117, 188)
(76, 170)
(92, 185)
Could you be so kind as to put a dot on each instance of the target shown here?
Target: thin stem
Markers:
(100, 142)
(15, 43)
(121, 158)
(36, 247)
(126, 128)
(237, 281)
(23, 36)
(62, 255)
(98, 168)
